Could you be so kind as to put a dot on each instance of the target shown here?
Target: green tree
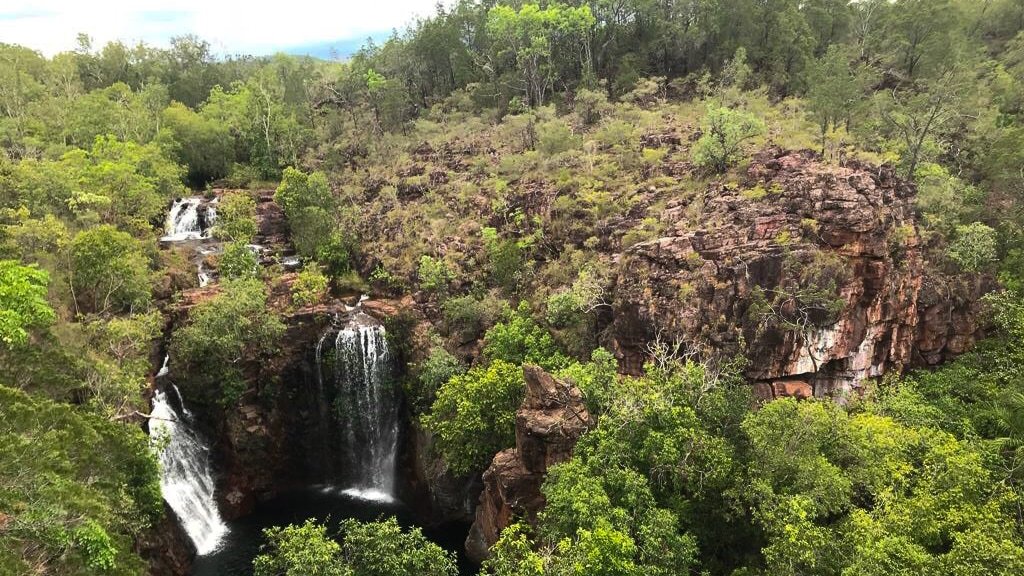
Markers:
(724, 132)
(519, 339)
(200, 143)
(108, 271)
(236, 218)
(473, 416)
(221, 334)
(300, 550)
(382, 548)
(975, 247)
(238, 261)
(310, 286)
(23, 305)
(835, 89)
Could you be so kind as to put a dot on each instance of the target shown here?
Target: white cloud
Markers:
(254, 26)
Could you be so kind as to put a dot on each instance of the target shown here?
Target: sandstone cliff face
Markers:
(815, 272)
(550, 421)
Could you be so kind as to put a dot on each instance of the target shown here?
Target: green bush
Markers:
(310, 286)
(555, 137)
(434, 275)
(518, 340)
(474, 415)
(238, 261)
(975, 247)
(724, 132)
(220, 335)
(236, 218)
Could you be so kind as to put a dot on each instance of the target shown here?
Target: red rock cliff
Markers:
(748, 278)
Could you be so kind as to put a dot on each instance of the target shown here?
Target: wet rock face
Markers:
(550, 421)
(814, 272)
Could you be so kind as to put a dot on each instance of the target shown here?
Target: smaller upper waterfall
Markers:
(185, 477)
(364, 404)
(183, 221)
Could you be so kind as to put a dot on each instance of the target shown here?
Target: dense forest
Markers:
(495, 164)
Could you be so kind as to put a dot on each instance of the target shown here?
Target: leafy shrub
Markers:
(108, 271)
(555, 137)
(434, 275)
(310, 286)
(221, 333)
(236, 218)
(518, 339)
(238, 261)
(724, 132)
(466, 317)
(437, 368)
(975, 247)
(591, 106)
(474, 415)
(23, 304)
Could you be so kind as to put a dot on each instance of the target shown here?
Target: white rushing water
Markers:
(183, 221)
(365, 397)
(185, 477)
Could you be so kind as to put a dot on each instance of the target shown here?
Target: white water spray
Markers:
(365, 399)
(185, 477)
(183, 221)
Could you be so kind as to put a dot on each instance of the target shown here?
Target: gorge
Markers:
(632, 288)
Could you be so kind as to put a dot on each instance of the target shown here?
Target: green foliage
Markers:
(310, 286)
(518, 340)
(434, 275)
(201, 143)
(473, 416)
(300, 550)
(507, 258)
(974, 248)
(108, 271)
(724, 132)
(23, 304)
(379, 548)
(70, 507)
(221, 334)
(238, 261)
(437, 368)
(382, 548)
(236, 218)
(311, 208)
(468, 316)
(299, 190)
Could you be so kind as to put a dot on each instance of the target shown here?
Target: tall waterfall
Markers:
(183, 222)
(185, 478)
(356, 386)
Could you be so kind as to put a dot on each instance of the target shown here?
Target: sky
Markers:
(241, 27)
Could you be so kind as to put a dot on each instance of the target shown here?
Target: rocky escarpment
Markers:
(550, 421)
(814, 272)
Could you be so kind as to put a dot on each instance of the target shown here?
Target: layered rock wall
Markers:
(814, 272)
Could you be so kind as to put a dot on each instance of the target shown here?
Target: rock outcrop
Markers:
(550, 421)
(814, 272)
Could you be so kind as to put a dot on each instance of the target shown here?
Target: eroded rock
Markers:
(548, 424)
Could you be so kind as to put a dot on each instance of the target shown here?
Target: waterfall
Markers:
(185, 477)
(364, 404)
(183, 221)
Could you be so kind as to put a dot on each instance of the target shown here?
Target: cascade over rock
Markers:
(186, 479)
(797, 219)
(548, 424)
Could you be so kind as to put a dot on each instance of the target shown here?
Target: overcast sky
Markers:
(246, 26)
